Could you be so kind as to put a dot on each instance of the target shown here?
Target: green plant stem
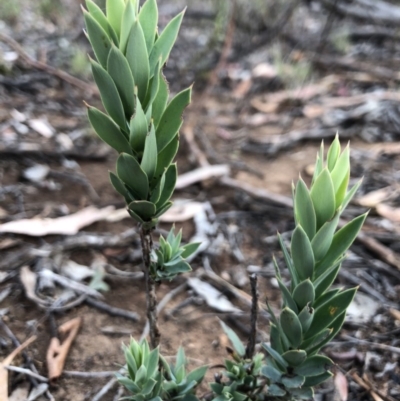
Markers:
(151, 296)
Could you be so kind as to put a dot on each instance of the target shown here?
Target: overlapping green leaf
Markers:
(341, 242)
(115, 10)
(128, 18)
(130, 172)
(326, 314)
(148, 18)
(291, 326)
(98, 38)
(138, 128)
(302, 254)
(136, 54)
(118, 68)
(171, 120)
(163, 45)
(323, 197)
(304, 209)
(109, 95)
(108, 131)
(149, 160)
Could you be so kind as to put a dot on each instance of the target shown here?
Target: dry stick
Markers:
(16, 343)
(254, 315)
(113, 311)
(47, 68)
(151, 302)
(375, 393)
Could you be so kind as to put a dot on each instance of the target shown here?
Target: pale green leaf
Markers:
(138, 128)
(108, 131)
(148, 18)
(304, 294)
(234, 339)
(323, 197)
(169, 186)
(341, 242)
(171, 119)
(109, 95)
(295, 357)
(118, 185)
(323, 238)
(326, 314)
(314, 366)
(118, 68)
(115, 9)
(136, 54)
(98, 38)
(302, 254)
(333, 153)
(166, 156)
(291, 327)
(130, 172)
(128, 18)
(149, 160)
(163, 45)
(160, 100)
(304, 209)
(96, 12)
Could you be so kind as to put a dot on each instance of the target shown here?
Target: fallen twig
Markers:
(27, 372)
(88, 88)
(111, 310)
(375, 393)
(88, 375)
(6, 362)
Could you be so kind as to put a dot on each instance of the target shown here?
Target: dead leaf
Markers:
(75, 271)
(312, 111)
(66, 225)
(7, 361)
(374, 198)
(8, 243)
(58, 351)
(395, 313)
(362, 309)
(182, 211)
(29, 279)
(201, 174)
(212, 296)
(388, 212)
(42, 127)
(341, 386)
(36, 173)
(264, 70)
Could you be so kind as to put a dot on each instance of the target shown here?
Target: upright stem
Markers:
(251, 344)
(151, 296)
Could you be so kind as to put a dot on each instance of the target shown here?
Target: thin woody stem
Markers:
(254, 316)
(151, 296)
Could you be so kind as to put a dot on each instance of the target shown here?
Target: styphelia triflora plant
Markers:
(142, 125)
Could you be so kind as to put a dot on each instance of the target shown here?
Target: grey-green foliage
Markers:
(243, 375)
(312, 312)
(149, 377)
(139, 122)
(169, 259)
